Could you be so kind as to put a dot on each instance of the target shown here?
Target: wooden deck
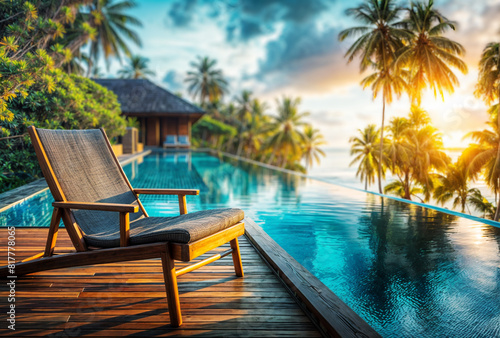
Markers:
(128, 299)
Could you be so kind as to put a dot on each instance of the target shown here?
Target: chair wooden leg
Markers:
(174, 306)
(238, 267)
(52, 236)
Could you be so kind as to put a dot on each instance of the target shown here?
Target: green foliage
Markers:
(39, 40)
(73, 102)
(133, 122)
(33, 42)
(208, 131)
(243, 128)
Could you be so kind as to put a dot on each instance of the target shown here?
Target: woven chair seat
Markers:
(180, 229)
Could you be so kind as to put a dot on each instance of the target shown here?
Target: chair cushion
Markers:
(180, 229)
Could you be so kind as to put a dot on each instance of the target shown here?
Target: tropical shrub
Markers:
(71, 102)
(210, 132)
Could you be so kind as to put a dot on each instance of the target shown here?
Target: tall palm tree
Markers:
(455, 184)
(488, 87)
(113, 29)
(428, 56)
(377, 46)
(364, 147)
(483, 156)
(312, 141)
(488, 83)
(206, 82)
(256, 128)
(244, 117)
(286, 137)
(137, 68)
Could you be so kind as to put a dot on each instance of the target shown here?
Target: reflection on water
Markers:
(407, 270)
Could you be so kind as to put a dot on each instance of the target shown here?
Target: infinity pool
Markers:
(407, 270)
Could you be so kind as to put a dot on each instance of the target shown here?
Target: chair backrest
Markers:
(171, 139)
(84, 169)
(184, 139)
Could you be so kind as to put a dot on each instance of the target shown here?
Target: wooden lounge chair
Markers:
(107, 222)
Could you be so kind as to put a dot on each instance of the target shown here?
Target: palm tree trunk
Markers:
(285, 158)
(271, 159)
(240, 147)
(406, 186)
(497, 215)
(381, 146)
(366, 184)
(90, 63)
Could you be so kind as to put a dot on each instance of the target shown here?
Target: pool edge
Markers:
(423, 205)
(332, 316)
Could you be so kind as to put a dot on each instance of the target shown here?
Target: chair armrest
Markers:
(167, 191)
(97, 206)
(123, 209)
(181, 194)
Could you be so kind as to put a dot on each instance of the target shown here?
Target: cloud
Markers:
(244, 20)
(181, 13)
(307, 58)
(478, 24)
(173, 81)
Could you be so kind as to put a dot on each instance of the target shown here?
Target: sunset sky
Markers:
(290, 47)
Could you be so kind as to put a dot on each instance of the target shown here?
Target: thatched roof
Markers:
(142, 97)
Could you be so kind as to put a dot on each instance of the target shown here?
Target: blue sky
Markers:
(290, 47)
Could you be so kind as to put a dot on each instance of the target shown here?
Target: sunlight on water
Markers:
(407, 270)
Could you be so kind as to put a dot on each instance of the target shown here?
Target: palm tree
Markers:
(397, 148)
(364, 147)
(483, 156)
(377, 45)
(137, 68)
(113, 29)
(428, 56)
(401, 190)
(205, 81)
(418, 117)
(256, 128)
(414, 155)
(488, 87)
(488, 83)
(455, 183)
(312, 141)
(480, 203)
(243, 115)
(286, 136)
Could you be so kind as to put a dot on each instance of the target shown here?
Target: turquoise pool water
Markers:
(407, 270)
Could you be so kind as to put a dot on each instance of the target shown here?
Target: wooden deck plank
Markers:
(128, 299)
